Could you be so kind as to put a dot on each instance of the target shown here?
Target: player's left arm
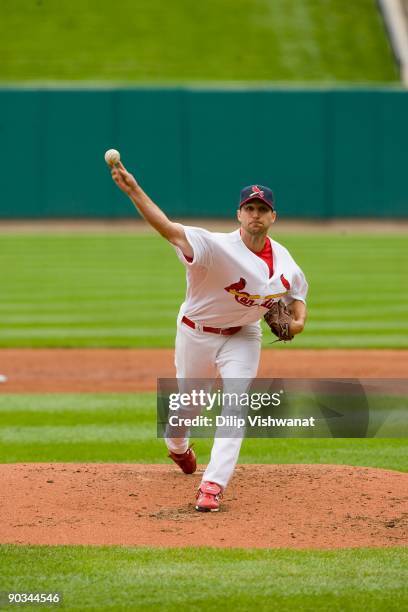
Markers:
(299, 313)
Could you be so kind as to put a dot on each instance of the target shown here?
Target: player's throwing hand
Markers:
(124, 180)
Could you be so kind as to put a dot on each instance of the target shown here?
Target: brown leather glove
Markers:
(278, 318)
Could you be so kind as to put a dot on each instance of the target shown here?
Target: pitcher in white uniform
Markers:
(232, 280)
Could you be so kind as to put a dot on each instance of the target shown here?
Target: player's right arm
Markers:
(173, 232)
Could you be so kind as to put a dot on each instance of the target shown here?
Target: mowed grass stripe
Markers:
(395, 341)
(122, 428)
(86, 333)
(50, 320)
(322, 307)
(81, 434)
(119, 578)
(114, 290)
(165, 337)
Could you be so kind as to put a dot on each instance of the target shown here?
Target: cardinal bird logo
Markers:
(285, 282)
(242, 297)
(239, 286)
(256, 191)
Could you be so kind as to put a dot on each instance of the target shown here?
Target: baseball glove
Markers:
(278, 318)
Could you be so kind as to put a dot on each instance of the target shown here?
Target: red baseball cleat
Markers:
(186, 461)
(208, 497)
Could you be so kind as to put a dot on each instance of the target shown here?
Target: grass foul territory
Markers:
(154, 41)
(125, 291)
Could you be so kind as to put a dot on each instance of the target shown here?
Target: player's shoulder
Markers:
(227, 236)
(213, 236)
(198, 235)
(196, 230)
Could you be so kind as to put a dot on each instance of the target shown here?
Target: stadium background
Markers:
(198, 98)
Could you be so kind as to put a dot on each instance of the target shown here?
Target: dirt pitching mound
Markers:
(265, 506)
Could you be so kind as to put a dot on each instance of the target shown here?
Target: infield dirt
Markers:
(133, 370)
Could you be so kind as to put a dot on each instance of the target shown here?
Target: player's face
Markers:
(256, 217)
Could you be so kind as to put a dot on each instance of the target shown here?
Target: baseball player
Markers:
(233, 280)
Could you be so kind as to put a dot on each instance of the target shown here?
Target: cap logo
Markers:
(256, 191)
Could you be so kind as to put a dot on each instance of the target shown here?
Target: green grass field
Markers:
(244, 580)
(125, 290)
(182, 40)
(121, 428)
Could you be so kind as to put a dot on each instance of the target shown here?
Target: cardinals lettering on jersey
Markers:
(246, 299)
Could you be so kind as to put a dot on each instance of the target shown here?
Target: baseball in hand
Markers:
(112, 157)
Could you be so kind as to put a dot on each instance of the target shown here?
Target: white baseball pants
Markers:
(203, 355)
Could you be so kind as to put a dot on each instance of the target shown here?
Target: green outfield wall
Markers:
(325, 153)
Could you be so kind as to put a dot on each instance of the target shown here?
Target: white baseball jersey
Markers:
(228, 284)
